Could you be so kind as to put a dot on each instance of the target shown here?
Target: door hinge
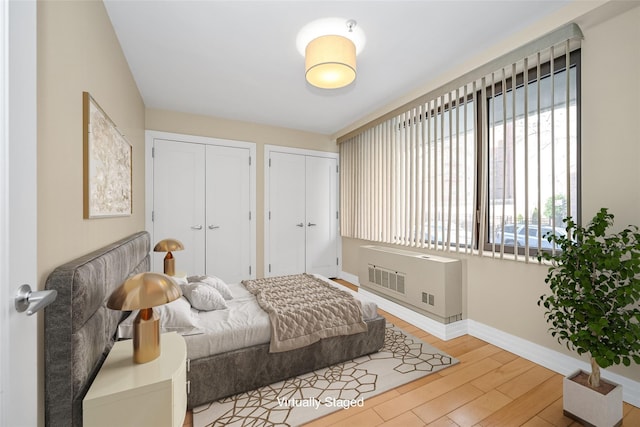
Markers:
(337, 215)
(269, 162)
(249, 160)
(153, 216)
(153, 151)
(249, 215)
(249, 270)
(337, 261)
(337, 168)
(269, 268)
(269, 215)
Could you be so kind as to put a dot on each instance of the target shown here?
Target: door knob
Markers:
(196, 227)
(300, 225)
(31, 301)
(214, 227)
(311, 224)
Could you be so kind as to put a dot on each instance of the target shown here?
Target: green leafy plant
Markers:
(594, 280)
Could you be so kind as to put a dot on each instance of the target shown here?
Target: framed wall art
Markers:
(107, 164)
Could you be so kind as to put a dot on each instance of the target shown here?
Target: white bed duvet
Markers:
(243, 323)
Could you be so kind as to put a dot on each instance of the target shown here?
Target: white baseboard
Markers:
(543, 356)
(550, 359)
(440, 330)
(351, 278)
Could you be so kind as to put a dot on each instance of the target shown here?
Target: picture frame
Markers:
(107, 168)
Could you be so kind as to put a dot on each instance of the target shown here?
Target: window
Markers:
(486, 163)
(532, 156)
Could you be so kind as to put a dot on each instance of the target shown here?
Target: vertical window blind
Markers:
(487, 162)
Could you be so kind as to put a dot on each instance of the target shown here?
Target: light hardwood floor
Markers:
(489, 387)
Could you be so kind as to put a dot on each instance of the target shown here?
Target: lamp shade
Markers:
(168, 245)
(144, 290)
(330, 62)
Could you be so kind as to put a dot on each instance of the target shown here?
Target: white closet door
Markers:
(228, 206)
(287, 214)
(321, 215)
(178, 203)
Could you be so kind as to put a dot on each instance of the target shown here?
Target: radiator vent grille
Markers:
(428, 299)
(386, 278)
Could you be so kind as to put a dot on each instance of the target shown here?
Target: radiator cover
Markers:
(431, 285)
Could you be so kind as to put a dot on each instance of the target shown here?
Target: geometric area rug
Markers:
(301, 399)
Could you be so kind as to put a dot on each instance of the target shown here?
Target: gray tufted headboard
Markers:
(79, 329)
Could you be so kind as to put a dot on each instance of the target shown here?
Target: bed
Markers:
(79, 331)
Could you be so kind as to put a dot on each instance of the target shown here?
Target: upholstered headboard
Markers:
(79, 329)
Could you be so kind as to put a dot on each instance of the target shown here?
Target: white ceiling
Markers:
(238, 59)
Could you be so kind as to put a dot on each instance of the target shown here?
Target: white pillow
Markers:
(175, 316)
(215, 282)
(203, 297)
(180, 280)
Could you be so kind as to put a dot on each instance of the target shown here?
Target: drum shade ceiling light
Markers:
(330, 46)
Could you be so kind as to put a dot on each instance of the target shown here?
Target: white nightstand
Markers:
(130, 394)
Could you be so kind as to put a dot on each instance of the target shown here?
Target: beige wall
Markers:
(503, 293)
(261, 135)
(610, 120)
(78, 51)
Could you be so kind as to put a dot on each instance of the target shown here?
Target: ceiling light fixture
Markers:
(330, 47)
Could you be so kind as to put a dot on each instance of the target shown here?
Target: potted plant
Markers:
(593, 308)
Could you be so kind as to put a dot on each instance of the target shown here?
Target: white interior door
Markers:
(228, 210)
(179, 203)
(18, 212)
(321, 216)
(286, 214)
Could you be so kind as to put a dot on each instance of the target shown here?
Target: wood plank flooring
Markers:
(489, 387)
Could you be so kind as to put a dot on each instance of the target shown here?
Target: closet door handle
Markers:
(196, 227)
(311, 224)
(213, 227)
(300, 225)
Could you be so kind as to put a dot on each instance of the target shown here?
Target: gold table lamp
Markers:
(143, 292)
(169, 245)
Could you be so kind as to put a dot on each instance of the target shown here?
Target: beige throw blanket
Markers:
(304, 309)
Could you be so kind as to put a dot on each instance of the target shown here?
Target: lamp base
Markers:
(169, 264)
(146, 336)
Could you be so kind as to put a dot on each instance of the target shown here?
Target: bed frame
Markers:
(80, 330)
(221, 375)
